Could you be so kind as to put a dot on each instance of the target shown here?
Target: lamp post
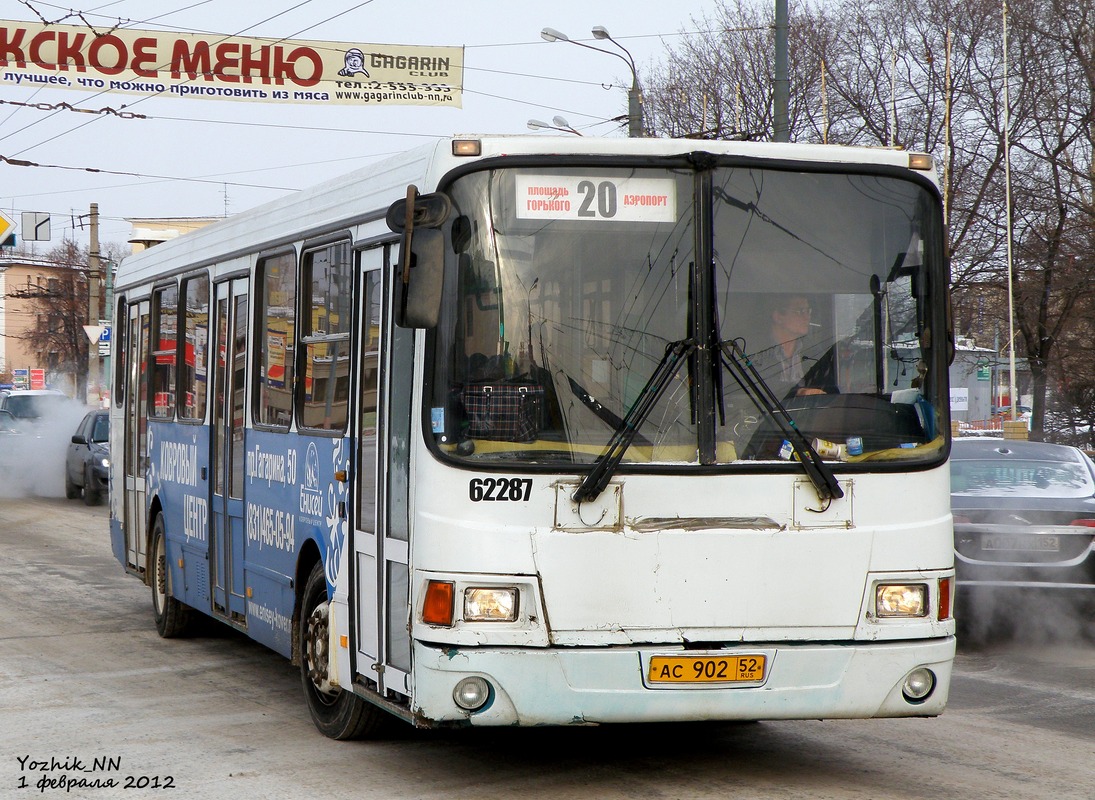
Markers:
(634, 94)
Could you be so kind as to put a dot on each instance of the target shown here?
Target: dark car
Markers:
(1024, 524)
(87, 465)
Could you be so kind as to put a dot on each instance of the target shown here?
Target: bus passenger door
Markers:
(227, 459)
(381, 546)
(135, 456)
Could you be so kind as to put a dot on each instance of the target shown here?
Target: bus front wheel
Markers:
(172, 616)
(336, 713)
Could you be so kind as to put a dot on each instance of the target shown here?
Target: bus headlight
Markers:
(901, 600)
(490, 604)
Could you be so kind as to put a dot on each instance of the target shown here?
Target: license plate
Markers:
(707, 669)
(1020, 543)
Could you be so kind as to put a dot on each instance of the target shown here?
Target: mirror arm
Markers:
(408, 232)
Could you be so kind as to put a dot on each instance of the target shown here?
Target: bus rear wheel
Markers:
(172, 617)
(336, 713)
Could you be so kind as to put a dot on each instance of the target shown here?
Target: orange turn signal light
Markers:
(438, 605)
(946, 598)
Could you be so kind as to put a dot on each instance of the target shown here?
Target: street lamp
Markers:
(634, 95)
(560, 124)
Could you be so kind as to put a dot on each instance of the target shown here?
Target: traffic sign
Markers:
(7, 226)
(104, 337)
(35, 226)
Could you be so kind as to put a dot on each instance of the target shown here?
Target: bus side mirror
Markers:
(421, 265)
(418, 283)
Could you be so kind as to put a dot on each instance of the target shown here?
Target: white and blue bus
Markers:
(511, 431)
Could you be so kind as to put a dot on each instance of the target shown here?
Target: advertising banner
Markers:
(208, 66)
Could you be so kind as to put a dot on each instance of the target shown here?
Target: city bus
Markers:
(504, 431)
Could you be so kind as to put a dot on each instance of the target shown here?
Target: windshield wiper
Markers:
(605, 415)
(761, 394)
(624, 434)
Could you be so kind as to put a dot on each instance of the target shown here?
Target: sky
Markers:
(170, 156)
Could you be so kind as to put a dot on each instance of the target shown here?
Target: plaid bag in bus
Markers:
(504, 411)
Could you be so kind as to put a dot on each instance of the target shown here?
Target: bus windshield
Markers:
(585, 301)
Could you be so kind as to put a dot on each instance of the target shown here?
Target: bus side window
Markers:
(193, 366)
(165, 316)
(275, 349)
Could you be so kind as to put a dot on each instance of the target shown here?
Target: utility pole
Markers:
(93, 389)
(1013, 391)
(781, 89)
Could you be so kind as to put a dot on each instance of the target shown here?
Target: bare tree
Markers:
(717, 85)
(61, 305)
(894, 73)
(1053, 271)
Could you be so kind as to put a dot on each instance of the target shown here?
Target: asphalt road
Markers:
(89, 692)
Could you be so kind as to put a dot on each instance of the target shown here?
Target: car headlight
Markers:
(901, 600)
(104, 462)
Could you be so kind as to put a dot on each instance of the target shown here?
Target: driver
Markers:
(780, 362)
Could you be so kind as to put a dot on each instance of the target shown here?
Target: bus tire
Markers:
(172, 616)
(336, 713)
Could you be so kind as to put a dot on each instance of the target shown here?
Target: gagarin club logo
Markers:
(353, 64)
(398, 63)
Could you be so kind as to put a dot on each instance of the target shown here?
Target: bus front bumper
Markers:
(584, 686)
